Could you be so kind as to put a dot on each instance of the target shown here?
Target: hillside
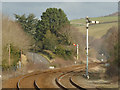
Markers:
(97, 33)
(113, 14)
(103, 39)
(97, 30)
(14, 37)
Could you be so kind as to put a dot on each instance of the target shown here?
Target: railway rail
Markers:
(27, 76)
(76, 85)
(57, 80)
(36, 86)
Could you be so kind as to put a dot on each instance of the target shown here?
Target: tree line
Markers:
(14, 40)
(50, 33)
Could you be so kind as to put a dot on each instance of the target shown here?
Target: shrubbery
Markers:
(50, 32)
(14, 56)
(62, 52)
(112, 47)
(17, 38)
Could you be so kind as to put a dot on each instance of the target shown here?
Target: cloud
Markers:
(74, 10)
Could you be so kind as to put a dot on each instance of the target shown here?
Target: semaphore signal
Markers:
(77, 46)
(74, 44)
(88, 21)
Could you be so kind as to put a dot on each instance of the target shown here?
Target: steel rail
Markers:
(56, 80)
(64, 74)
(36, 86)
(74, 84)
(18, 83)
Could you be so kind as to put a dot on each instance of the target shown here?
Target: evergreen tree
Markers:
(53, 19)
(50, 41)
(28, 23)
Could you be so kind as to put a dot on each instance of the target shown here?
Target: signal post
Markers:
(87, 25)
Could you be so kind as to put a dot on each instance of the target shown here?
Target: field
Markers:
(97, 30)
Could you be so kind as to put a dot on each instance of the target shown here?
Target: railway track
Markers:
(79, 87)
(31, 80)
(19, 87)
(26, 78)
(76, 85)
(57, 80)
(34, 84)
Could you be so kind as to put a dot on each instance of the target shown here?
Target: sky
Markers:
(73, 10)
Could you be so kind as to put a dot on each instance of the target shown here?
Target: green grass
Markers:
(101, 19)
(97, 30)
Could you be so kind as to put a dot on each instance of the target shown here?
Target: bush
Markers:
(68, 52)
(59, 51)
(50, 41)
(48, 54)
(14, 56)
(62, 52)
(112, 70)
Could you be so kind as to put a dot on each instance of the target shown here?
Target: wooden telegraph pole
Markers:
(9, 54)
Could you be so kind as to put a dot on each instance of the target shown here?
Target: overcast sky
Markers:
(73, 10)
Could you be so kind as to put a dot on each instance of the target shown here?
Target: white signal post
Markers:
(87, 25)
(77, 47)
(77, 52)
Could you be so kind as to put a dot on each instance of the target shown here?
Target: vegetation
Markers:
(14, 56)
(13, 35)
(97, 28)
(53, 19)
(103, 38)
(29, 23)
(101, 19)
(110, 47)
(50, 41)
(49, 32)
(113, 69)
(53, 35)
